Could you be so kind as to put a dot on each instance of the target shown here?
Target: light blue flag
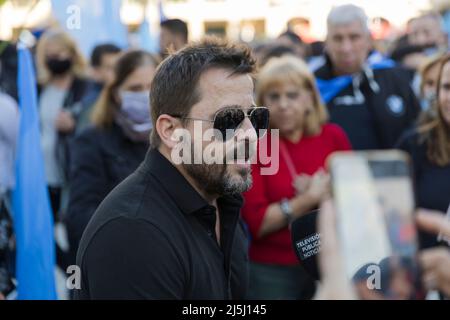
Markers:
(162, 16)
(147, 41)
(91, 22)
(33, 221)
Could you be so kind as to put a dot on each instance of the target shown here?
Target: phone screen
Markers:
(375, 206)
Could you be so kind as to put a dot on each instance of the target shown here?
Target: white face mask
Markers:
(427, 101)
(134, 114)
(135, 107)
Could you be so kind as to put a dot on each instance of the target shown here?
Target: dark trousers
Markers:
(55, 202)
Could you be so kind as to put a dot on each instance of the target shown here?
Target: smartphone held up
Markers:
(374, 200)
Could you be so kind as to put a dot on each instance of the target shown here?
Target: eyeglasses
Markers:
(232, 118)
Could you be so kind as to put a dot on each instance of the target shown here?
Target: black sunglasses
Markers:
(231, 118)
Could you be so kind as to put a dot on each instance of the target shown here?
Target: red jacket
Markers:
(308, 156)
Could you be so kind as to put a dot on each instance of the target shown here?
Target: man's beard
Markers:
(215, 180)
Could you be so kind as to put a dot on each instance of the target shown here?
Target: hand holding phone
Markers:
(374, 205)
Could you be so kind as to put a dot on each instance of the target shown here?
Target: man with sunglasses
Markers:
(172, 230)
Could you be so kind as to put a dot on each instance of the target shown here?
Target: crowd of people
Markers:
(141, 226)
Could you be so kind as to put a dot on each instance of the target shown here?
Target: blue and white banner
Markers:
(33, 220)
(91, 22)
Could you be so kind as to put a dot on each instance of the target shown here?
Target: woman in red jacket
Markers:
(286, 85)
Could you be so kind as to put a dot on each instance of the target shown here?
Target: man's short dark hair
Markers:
(176, 26)
(292, 36)
(175, 86)
(276, 51)
(100, 50)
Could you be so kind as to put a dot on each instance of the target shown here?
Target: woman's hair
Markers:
(436, 132)
(63, 39)
(292, 70)
(106, 105)
(426, 66)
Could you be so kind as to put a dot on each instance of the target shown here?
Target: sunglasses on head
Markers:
(232, 118)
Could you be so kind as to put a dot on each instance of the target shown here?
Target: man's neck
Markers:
(338, 72)
(211, 199)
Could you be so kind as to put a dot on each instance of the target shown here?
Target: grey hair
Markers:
(345, 14)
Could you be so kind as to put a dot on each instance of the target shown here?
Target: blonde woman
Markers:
(287, 87)
(60, 70)
(429, 147)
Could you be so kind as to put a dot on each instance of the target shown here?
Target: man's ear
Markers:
(165, 127)
(178, 42)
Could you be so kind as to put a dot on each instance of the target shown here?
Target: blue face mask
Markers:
(135, 107)
(134, 114)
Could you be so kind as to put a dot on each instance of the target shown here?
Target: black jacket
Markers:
(375, 109)
(153, 237)
(101, 158)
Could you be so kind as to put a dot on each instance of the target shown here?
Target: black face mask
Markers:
(57, 66)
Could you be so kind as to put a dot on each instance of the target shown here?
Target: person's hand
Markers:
(334, 285)
(436, 269)
(301, 183)
(2, 297)
(64, 122)
(319, 186)
(435, 262)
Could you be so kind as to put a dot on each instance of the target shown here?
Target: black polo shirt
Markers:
(153, 237)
